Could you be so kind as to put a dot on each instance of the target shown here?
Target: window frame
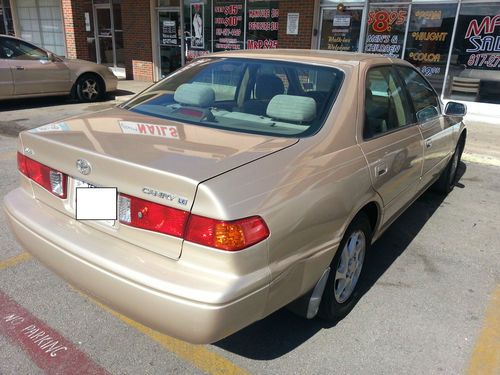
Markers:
(406, 99)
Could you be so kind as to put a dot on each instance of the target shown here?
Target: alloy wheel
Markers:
(349, 266)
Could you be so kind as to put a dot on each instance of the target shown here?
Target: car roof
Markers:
(312, 56)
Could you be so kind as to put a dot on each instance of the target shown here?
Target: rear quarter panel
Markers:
(307, 193)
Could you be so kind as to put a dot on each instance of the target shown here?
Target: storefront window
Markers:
(474, 72)
(386, 30)
(229, 19)
(262, 24)
(429, 38)
(6, 26)
(340, 30)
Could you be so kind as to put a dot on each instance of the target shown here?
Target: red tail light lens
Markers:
(50, 179)
(143, 214)
(226, 235)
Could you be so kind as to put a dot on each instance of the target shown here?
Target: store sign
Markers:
(228, 25)
(429, 39)
(292, 24)
(482, 42)
(340, 30)
(386, 31)
(197, 25)
(262, 24)
(169, 33)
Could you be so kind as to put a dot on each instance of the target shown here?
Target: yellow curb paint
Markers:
(196, 355)
(10, 155)
(485, 358)
(23, 257)
(481, 159)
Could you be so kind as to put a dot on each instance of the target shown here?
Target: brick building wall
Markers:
(138, 53)
(74, 27)
(305, 8)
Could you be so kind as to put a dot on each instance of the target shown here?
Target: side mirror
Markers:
(52, 57)
(455, 109)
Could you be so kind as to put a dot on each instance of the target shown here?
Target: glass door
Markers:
(109, 37)
(340, 29)
(170, 41)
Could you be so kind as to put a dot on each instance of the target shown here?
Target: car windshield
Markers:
(245, 95)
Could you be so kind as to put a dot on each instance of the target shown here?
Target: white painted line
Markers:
(481, 159)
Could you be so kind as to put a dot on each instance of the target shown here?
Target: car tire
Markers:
(448, 178)
(342, 288)
(89, 88)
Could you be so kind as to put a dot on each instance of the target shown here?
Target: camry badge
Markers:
(83, 166)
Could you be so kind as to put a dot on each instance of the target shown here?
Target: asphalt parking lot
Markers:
(430, 303)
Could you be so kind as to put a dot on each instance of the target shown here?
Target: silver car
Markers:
(30, 71)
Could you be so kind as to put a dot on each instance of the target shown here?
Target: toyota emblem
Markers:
(83, 166)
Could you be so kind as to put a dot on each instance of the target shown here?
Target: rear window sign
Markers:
(54, 127)
(140, 128)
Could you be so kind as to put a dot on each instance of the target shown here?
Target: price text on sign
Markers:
(382, 20)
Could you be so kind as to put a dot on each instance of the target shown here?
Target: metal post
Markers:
(451, 50)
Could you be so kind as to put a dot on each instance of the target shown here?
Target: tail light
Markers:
(225, 235)
(50, 179)
(152, 216)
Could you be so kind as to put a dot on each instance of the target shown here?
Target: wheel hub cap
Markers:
(349, 266)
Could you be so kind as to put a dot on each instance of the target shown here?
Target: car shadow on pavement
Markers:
(283, 331)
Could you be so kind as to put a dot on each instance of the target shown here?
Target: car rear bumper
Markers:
(111, 84)
(80, 254)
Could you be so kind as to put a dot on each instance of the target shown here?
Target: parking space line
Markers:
(9, 155)
(10, 262)
(481, 159)
(48, 349)
(196, 355)
(485, 358)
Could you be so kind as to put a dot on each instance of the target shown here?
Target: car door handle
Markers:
(380, 169)
(428, 144)
(19, 67)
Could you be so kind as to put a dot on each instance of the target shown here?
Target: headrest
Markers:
(267, 86)
(195, 94)
(292, 108)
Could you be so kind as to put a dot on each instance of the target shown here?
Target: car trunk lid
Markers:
(146, 157)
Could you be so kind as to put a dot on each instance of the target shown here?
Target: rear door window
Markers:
(386, 105)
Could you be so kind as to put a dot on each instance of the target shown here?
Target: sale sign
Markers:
(386, 30)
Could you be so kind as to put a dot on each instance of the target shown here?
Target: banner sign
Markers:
(386, 31)
(228, 25)
(262, 24)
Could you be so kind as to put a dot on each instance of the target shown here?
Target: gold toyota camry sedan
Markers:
(30, 71)
(239, 184)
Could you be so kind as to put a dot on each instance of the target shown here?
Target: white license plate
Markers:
(82, 184)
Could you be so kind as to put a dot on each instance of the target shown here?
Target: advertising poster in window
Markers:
(197, 25)
(228, 25)
(429, 39)
(478, 38)
(197, 28)
(169, 33)
(262, 24)
(386, 31)
(340, 30)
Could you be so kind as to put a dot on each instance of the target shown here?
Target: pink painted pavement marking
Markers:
(44, 345)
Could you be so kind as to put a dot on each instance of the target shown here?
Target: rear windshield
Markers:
(245, 95)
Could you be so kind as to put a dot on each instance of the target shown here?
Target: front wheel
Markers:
(342, 288)
(89, 88)
(446, 182)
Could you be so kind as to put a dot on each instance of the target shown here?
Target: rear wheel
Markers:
(446, 182)
(89, 88)
(342, 288)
